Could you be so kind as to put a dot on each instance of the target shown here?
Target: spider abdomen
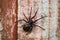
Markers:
(27, 28)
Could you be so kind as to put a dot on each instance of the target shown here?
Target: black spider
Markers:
(28, 27)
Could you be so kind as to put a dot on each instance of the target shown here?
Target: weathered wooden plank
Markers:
(47, 7)
(9, 18)
(0, 10)
(58, 28)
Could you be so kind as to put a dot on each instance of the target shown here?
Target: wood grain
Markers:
(9, 18)
(46, 7)
(58, 28)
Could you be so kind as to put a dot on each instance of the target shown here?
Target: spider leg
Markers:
(25, 16)
(39, 26)
(39, 19)
(28, 33)
(22, 20)
(30, 14)
(35, 14)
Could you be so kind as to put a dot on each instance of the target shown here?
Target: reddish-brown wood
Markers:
(9, 18)
(58, 28)
(0, 10)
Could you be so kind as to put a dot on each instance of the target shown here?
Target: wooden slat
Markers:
(9, 18)
(58, 28)
(48, 7)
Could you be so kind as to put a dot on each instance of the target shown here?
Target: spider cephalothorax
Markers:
(28, 27)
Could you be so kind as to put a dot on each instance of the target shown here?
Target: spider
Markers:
(28, 26)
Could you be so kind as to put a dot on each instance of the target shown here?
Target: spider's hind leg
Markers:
(28, 33)
(40, 27)
(39, 19)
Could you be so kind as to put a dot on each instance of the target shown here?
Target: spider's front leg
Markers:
(30, 13)
(34, 14)
(25, 17)
(22, 20)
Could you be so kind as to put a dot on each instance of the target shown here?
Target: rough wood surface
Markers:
(47, 7)
(9, 18)
(58, 28)
(0, 10)
(51, 8)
